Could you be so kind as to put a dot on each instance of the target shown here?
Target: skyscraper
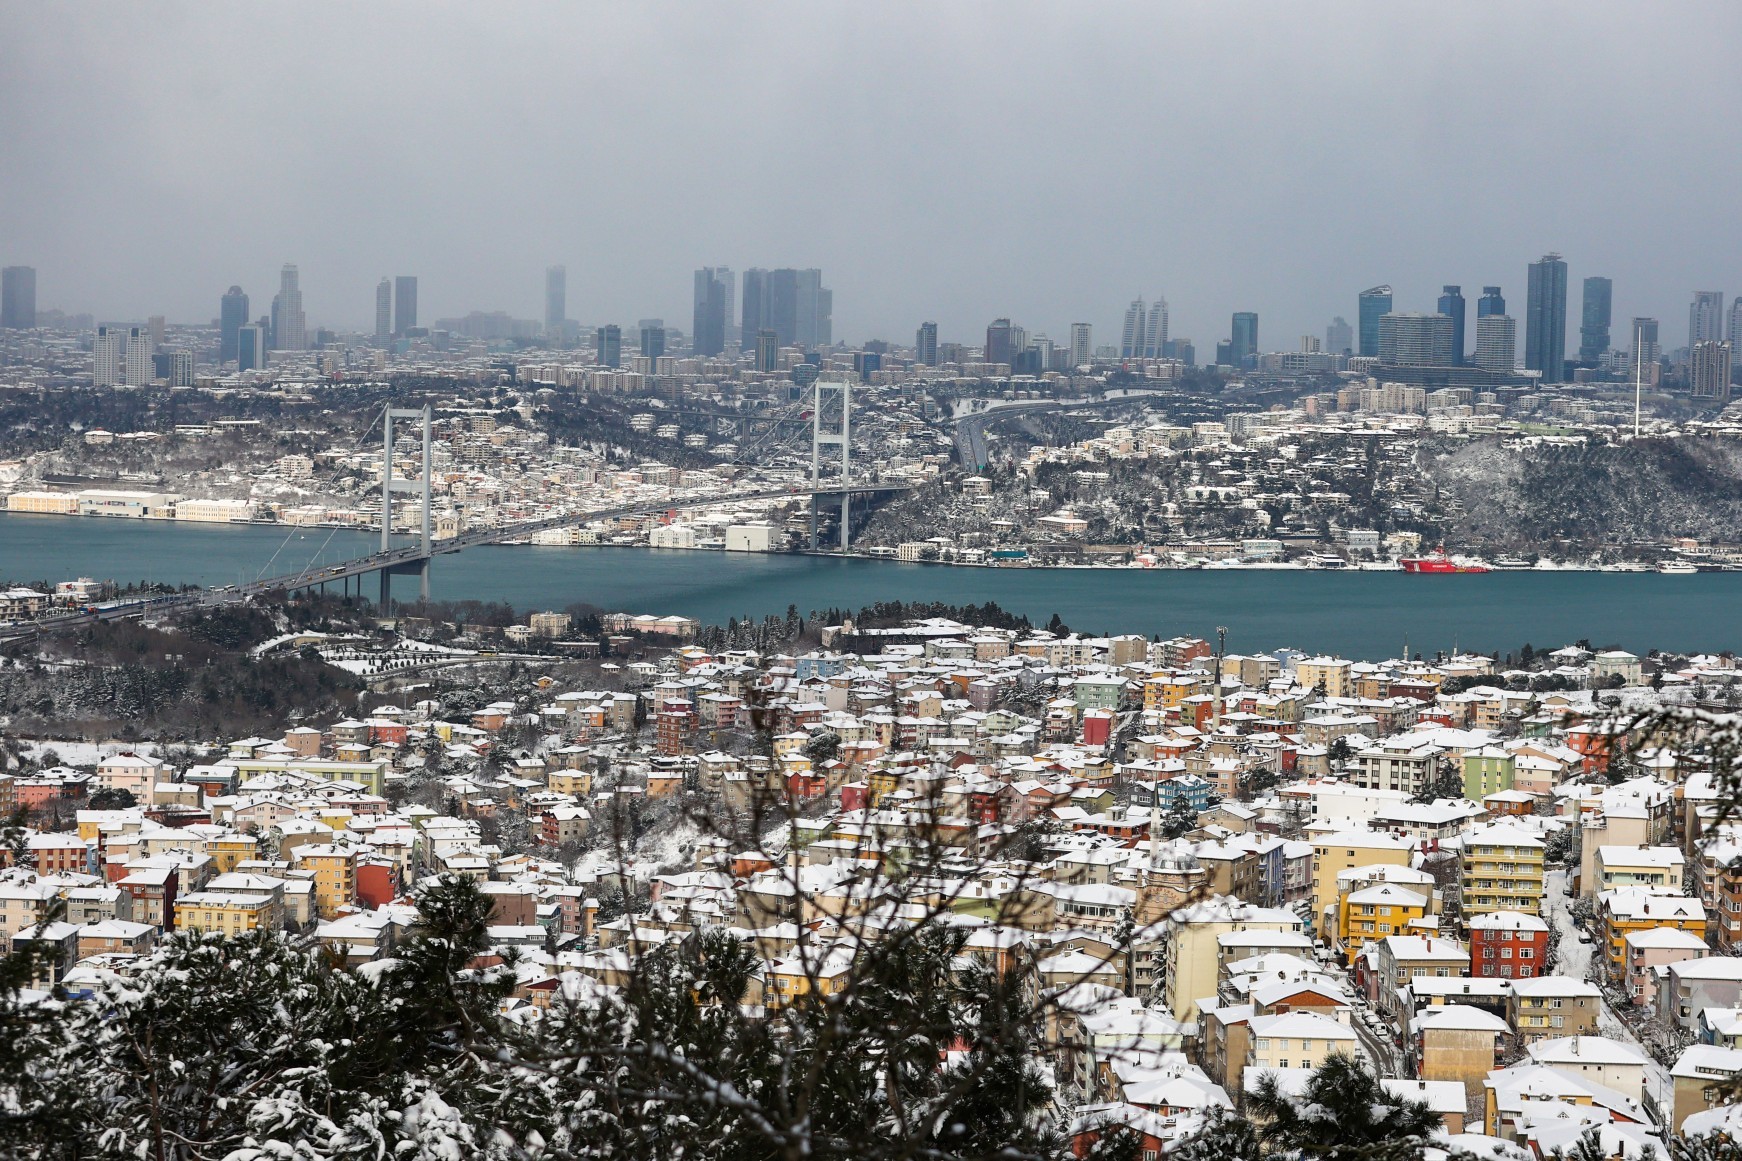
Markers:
(753, 315)
(1374, 303)
(1497, 343)
(1709, 371)
(1415, 339)
(610, 345)
(250, 348)
(383, 308)
(106, 350)
(925, 344)
(1734, 334)
(652, 341)
(1545, 320)
(1244, 337)
(767, 351)
(17, 298)
(1133, 337)
(232, 317)
(1000, 342)
(1340, 337)
(816, 309)
(730, 281)
(1594, 320)
(136, 368)
(1157, 338)
(1082, 345)
(556, 300)
(1452, 306)
(1490, 302)
(1647, 351)
(404, 304)
(1706, 318)
(708, 335)
(289, 323)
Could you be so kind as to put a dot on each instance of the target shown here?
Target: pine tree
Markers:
(1345, 1114)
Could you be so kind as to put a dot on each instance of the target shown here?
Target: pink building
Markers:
(1651, 949)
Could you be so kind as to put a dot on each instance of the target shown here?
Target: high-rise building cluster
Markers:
(794, 304)
(1145, 333)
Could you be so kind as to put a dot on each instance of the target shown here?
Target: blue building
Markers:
(1452, 306)
(1374, 304)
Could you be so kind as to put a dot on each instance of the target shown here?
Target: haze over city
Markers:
(956, 163)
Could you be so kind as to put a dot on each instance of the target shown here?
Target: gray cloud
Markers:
(948, 161)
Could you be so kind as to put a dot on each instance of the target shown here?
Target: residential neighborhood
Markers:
(1508, 901)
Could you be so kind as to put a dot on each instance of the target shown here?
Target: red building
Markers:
(377, 882)
(1508, 945)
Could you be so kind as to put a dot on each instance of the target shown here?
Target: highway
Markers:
(971, 428)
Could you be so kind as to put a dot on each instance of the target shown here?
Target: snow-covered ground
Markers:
(88, 753)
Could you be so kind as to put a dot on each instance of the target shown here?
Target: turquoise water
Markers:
(1355, 614)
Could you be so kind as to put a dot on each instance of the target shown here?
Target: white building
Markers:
(751, 537)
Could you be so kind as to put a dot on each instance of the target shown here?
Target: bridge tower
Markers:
(830, 430)
(390, 485)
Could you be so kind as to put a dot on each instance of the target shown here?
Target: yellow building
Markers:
(335, 875)
(1296, 1040)
(1167, 690)
(222, 913)
(229, 850)
(1334, 674)
(790, 980)
(1625, 910)
(579, 782)
(1336, 853)
(1502, 870)
(1375, 912)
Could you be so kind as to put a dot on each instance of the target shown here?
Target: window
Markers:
(1506, 953)
(1263, 1044)
(1526, 953)
(1559, 1022)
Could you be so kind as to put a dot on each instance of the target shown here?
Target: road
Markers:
(1574, 958)
(1377, 1043)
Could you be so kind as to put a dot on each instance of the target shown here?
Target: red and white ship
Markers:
(1438, 562)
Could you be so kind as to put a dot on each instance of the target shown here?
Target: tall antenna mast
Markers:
(1638, 375)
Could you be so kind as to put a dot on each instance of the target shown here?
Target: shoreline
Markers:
(1218, 565)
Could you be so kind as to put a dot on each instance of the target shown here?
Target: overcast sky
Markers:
(952, 161)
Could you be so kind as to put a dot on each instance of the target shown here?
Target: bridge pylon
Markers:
(391, 484)
(831, 431)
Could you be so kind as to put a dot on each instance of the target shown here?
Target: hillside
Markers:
(1539, 496)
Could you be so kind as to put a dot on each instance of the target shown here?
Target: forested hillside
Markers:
(1541, 496)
